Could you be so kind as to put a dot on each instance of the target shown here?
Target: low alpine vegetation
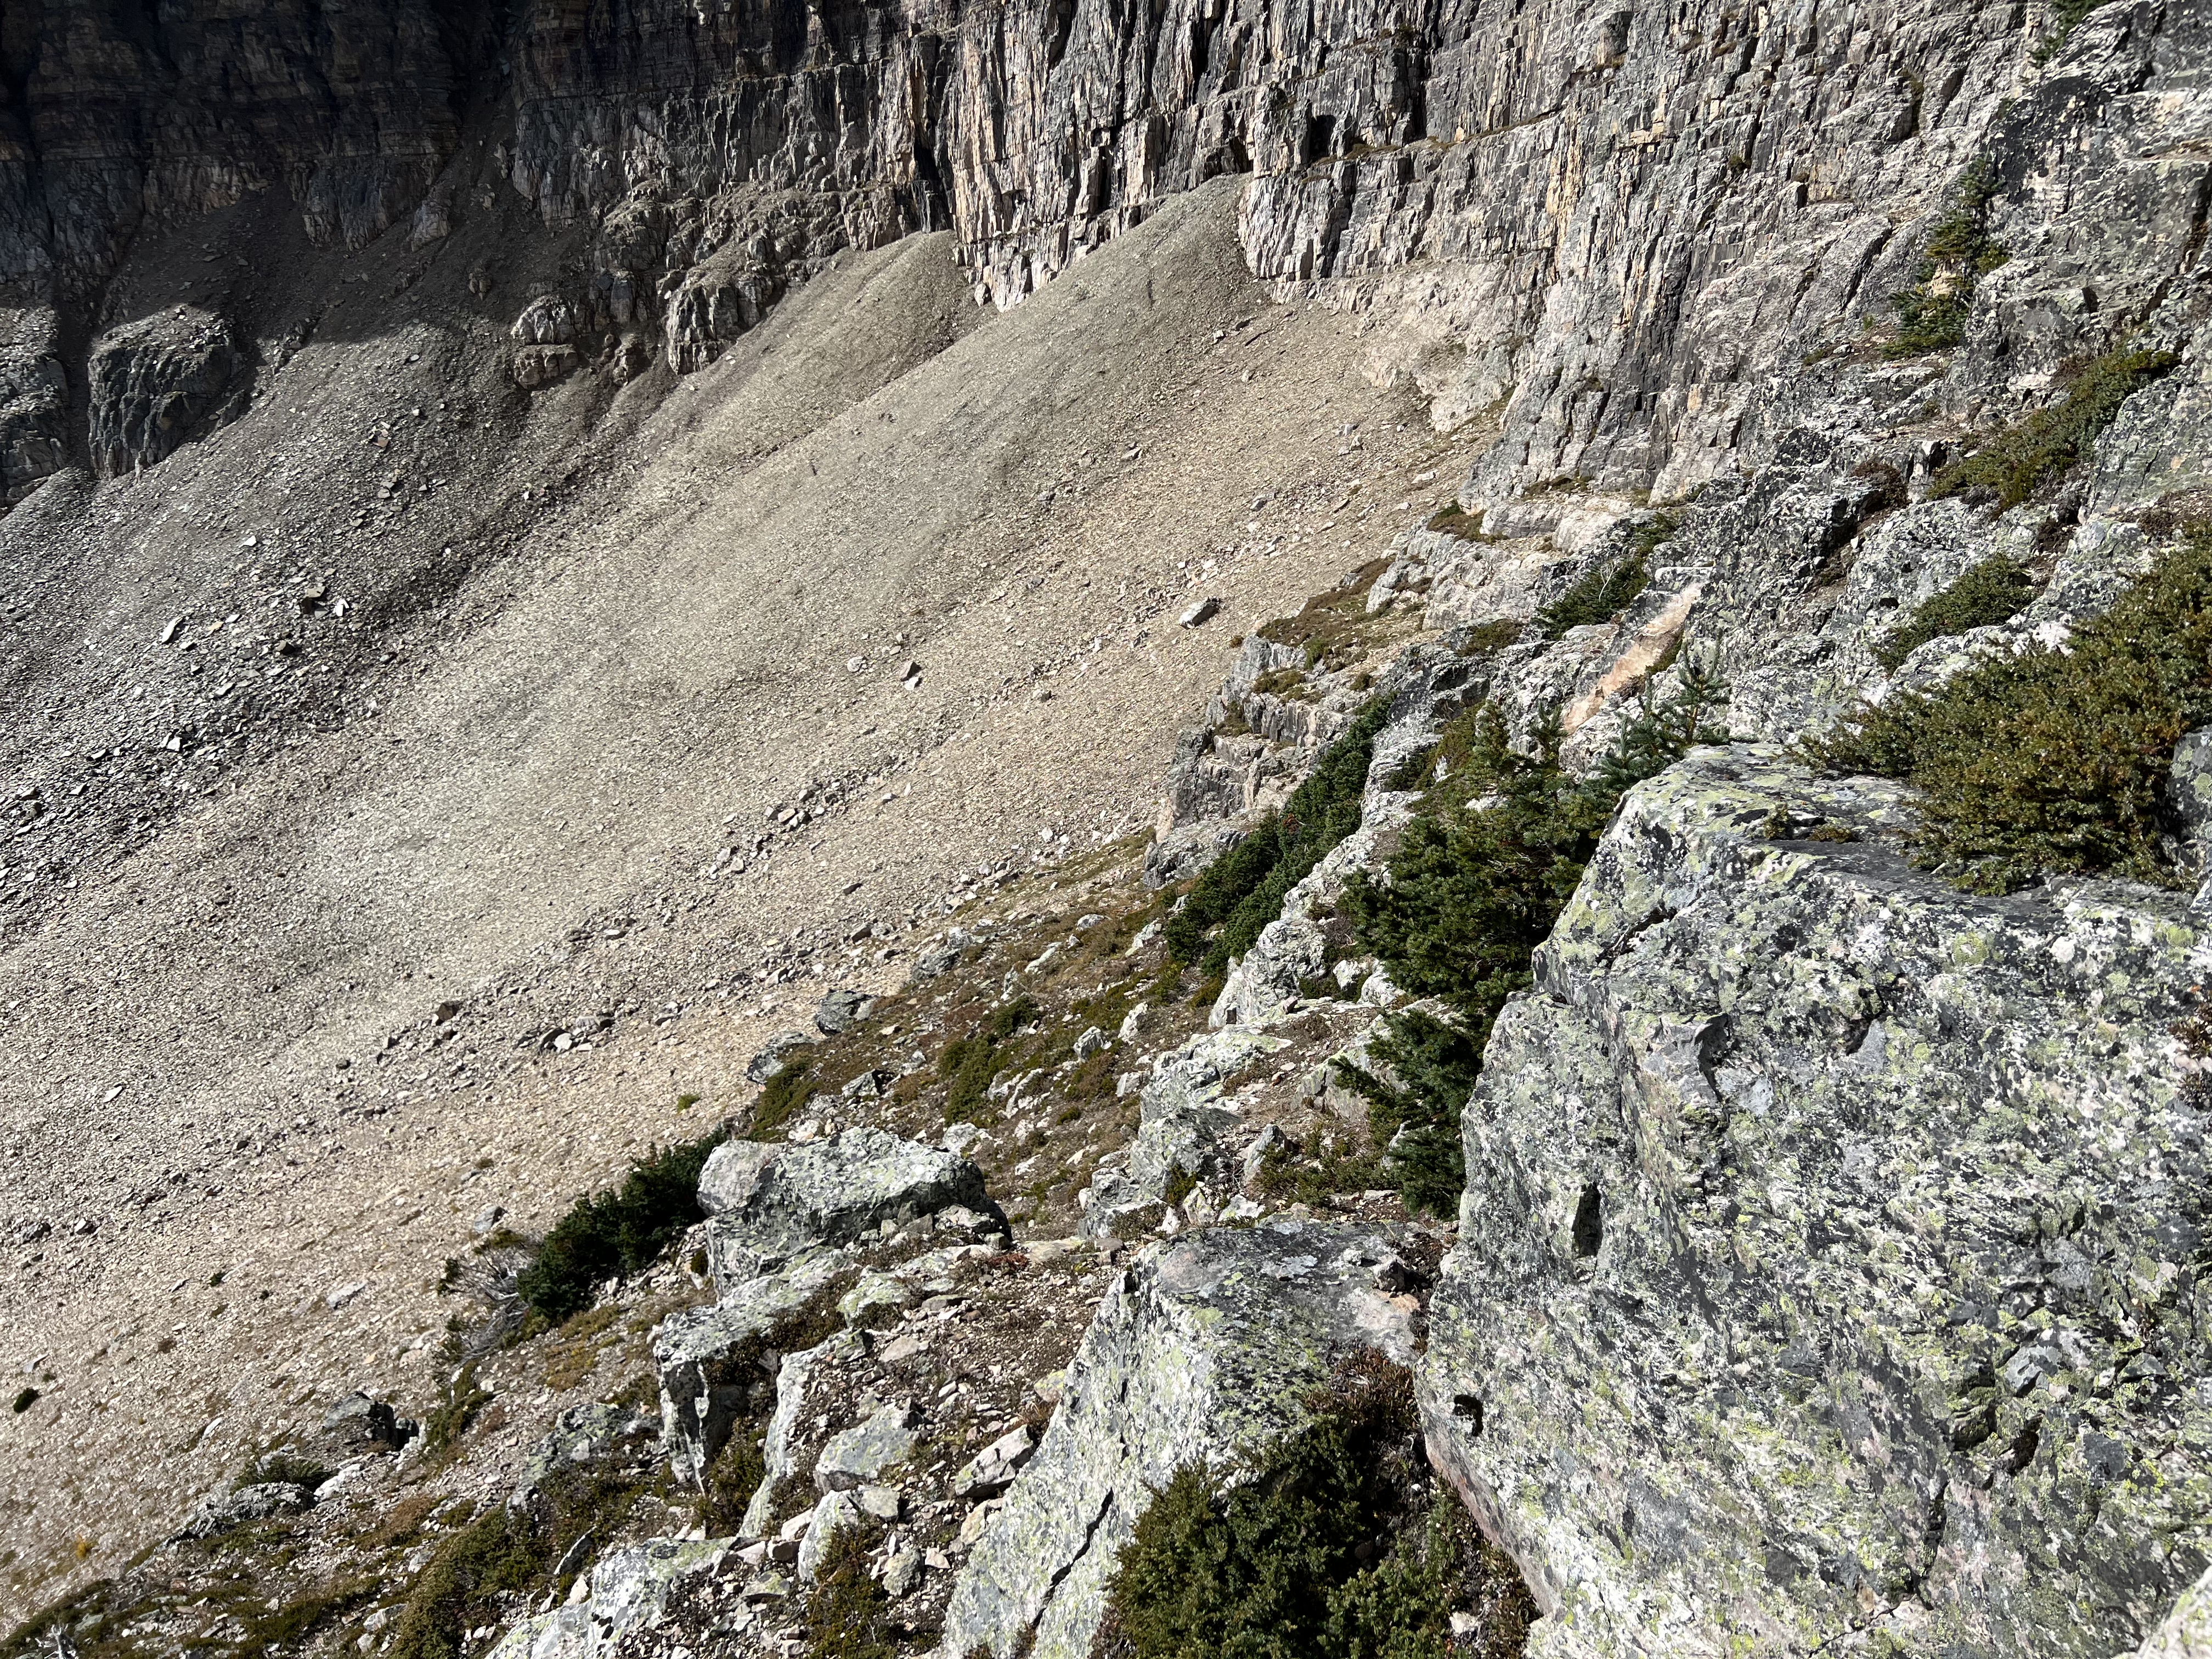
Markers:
(1478, 879)
(2054, 760)
(1994, 591)
(1602, 594)
(617, 1232)
(1243, 891)
(1931, 314)
(1336, 1540)
(2007, 469)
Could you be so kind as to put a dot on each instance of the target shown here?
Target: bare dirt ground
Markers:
(447, 900)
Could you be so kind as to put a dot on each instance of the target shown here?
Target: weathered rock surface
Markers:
(226, 1512)
(1204, 1350)
(766, 1201)
(1830, 1257)
(712, 1366)
(1181, 1120)
(629, 1588)
(157, 384)
(2185, 1632)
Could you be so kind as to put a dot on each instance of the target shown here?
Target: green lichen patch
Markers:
(2054, 760)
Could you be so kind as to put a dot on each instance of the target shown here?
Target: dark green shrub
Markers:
(1322, 1544)
(847, 1614)
(24, 1400)
(2007, 469)
(1601, 596)
(1243, 891)
(1931, 314)
(2054, 760)
(1470, 895)
(782, 1099)
(1994, 591)
(284, 1468)
(1416, 1118)
(617, 1232)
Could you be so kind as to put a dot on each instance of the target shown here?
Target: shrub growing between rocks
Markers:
(1994, 591)
(2054, 761)
(2006, 470)
(1601, 596)
(1326, 1543)
(618, 1231)
(1243, 891)
(847, 1614)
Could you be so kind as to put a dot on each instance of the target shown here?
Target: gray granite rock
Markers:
(1828, 1271)
(855, 1457)
(1204, 1349)
(765, 1201)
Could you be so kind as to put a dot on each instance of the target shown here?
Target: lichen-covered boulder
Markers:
(1205, 1348)
(712, 1363)
(226, 1511)
(766, 1201)
(1830, 1268)
(628, 1590)
(2186, 1632)
(591, 1433)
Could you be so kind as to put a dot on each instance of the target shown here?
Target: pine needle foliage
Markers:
(2054, 760)
(1243, 891)
(1475, 887)
(1994, 591)
(2007, 469)
(1602, 595)
(617, 1232)
(1931, 314)
(1318, 1545)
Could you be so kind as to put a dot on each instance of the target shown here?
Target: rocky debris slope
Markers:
(1207, 1347)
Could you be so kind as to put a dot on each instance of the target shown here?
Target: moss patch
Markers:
(2054, 760)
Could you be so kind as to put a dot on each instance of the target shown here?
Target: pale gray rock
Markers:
(226, 1512)
(1181, 1121)
(837, 1512)
(582, 1434)
(1206, 1347)
(767, 1201)
(629, 1590)
(1845, 1222)
(778, 1056)
(711, 1365)
(855, 1457)
(777, 1463)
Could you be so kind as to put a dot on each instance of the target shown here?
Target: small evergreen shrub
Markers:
(1415, 1119)
(1470, 895)
(2049, 760)
(1601, 596)
(1994, 591)
(2066, 17)
(282, 1468)
(617, 1232)
(2006, 471)
(1243, 891)
(1931, 314)
(1322, 1544)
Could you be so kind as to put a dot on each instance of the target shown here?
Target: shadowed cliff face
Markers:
(1607, 231)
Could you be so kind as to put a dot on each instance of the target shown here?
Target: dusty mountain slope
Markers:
(586, 702)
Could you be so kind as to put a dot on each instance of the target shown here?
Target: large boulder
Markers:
(765, 1201)
(1828, 1268)
(158, 383)
(1208, 1346)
